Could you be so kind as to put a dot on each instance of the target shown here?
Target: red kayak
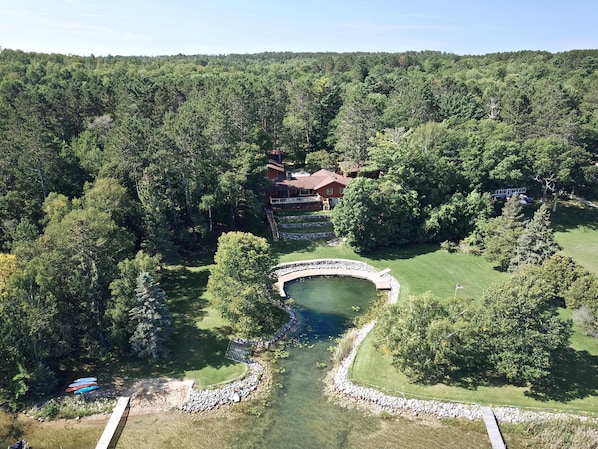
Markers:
(78, 387)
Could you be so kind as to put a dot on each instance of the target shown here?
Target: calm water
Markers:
(302, 416)
(297, 414)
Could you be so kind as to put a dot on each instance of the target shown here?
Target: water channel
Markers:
(297, 414)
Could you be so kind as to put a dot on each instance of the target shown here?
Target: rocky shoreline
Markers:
(205, 400)
(338, 381)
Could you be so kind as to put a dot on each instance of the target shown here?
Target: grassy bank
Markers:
(201, 336)
(576, 230)
(426, 268)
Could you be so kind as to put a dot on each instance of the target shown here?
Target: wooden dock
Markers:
(492, 429)
(115, 425)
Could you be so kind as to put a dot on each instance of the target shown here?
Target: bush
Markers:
(449, 246)
(49, 410)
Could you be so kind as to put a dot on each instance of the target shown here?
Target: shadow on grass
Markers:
(570, 216)
(403, 252)
(283, 247)
(575, 377)
(192, 348)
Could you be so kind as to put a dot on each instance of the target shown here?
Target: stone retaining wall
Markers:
(305, 224)
(339, 383)
(307, 236)
(282, 218)
(343, 387)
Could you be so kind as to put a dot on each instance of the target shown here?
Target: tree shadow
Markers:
(192, 348)
(572, 216)
(575, 377)
(403, 252)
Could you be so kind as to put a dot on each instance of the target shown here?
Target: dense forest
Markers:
(111, 165)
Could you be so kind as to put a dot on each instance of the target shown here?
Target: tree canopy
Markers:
(101, 157)
(240, 283)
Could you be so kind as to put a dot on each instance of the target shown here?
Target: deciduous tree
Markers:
(240, 283)
(522, 328)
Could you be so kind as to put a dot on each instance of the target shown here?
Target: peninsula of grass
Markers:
(422, 268)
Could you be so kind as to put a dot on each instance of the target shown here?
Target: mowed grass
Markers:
(373, 369)
(424, 268)
(576, 230)
(418, 268)
(200, 336)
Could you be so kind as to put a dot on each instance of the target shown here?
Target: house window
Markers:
(342, 190)
(329, 191)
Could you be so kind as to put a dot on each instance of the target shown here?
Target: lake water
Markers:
(296, 414)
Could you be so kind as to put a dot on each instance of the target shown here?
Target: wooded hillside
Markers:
(103, 158)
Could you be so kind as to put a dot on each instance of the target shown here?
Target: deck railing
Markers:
(296, 200)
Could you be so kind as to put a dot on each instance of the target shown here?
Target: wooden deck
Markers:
(375, 278)
(492, 429)
(115, 425)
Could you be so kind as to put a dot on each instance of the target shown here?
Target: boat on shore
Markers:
(79, 387)
(87, 389)
(83, 380)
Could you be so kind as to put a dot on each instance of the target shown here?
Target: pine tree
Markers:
(152, 334)
(536, 243)
(504, 232)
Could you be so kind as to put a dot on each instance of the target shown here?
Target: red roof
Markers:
(316, 180)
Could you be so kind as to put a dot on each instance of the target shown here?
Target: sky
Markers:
(190, 27)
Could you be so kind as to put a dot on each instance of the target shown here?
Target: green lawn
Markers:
(417, 268)
(577, 232)
(373, 369)
(427, 268)
(200, 336)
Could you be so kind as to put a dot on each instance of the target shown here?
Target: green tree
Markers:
(153, 321)
(317, 160)
(107, 195)
(65, 285)
(412, 102)
(358, 119)
(240, 283)
(536, 242)
(556, 165)
(522, 328)
(122, 298)
(374, 214)
(503, 232)
(428, 340)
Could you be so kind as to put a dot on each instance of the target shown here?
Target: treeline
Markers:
(110, 165)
